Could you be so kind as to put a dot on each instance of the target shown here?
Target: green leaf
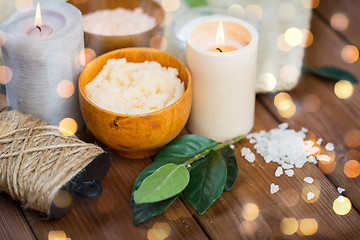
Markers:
(331, 73)
(177, 152)
(207, 181)
(196, 3)
(145, 211)
(231, 166)
(165, 182)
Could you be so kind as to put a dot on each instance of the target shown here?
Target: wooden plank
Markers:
(110, 216)
(225, 218)
(351, 9)
(335, 118)
(12, 222)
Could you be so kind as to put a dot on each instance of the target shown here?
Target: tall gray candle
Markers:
(42, 50)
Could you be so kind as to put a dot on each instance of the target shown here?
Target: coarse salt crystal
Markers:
(268, 158)
(319, 141)
(309, 180)
(329, 147)
(250, 157)
(323, 157)
(232, 146)
(283, 125)
(305, 130)
(274, 188)
(289, 172)
(245, 151)
(287, 166)
(252, 141)
(310, 195)
(340, 190)
(278, 172)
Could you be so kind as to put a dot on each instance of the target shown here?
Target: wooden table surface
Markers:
(336, 120)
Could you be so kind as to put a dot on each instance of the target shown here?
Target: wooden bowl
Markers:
(142, 135)
(102, 44)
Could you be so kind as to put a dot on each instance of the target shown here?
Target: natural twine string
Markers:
(36, 160)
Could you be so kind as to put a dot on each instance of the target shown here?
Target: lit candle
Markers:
(41, 48)
(223, 73)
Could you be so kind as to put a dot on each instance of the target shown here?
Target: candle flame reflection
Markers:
(37, 22)
(220, 36)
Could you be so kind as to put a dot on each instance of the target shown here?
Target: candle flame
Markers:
(37, 21)
(220, 36)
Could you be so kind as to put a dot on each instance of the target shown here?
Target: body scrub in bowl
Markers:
(134, 88)
(115, 96)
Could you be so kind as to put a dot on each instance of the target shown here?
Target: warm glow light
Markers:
(236, 10)
(308, 226)
(289, 73)
(250, 211)
(293, 36)
(282, 44)
(248, 228)
(287, 12)
(65, 89)
(268, 80)
(352, 168)
(255, 9)
(327, 167)
(352, 138)
(343, 89)
(68, 126)
(342, 205)
(310, 192)
(311, 103)
(308, 38)
(5, 74)
(63, 199)
(289, 226)
(159, 231)
(288, 111)
(339, 21)
(54, 235)
(220, 36)
(37, 21)
(282, 96)
(170, 5)
(350, 54)
(311, 3)
(86, 55)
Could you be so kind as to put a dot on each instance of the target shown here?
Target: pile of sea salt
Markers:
(286, 147)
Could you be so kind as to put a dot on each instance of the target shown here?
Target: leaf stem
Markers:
(216, 148)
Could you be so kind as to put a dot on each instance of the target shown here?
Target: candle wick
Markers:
(219, 49)
(38, 27)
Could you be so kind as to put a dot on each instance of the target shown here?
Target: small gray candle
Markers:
(43, 56)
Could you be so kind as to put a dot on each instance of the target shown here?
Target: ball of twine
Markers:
(36, 160)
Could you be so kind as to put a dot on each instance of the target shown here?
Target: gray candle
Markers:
(43, 56)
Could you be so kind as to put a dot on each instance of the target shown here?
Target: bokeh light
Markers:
(282, 44)
(339, 21)
(311, 3)
(350, 54)
(343, 89)
(56, 235)
(268, 80)
(287, 12)
(352, 168)
(311, 103)
(248, 228)
(68, 126)
(159, 231)
(2, 38)
(5, 74)
(308, 226)
(352, 138)
(65, 89)
(289, 226)
(342, 205)
(310, 193)
(289, 73)
(86, 55)
(236, 10)
(287, 111)
(293, 36)
(250, 211)
(327, 167)
(308, 38)
(63, 199)
(158, 42)
(255, 9)
(280, 97)
(170, 5)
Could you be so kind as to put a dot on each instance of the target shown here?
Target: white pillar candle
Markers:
(43, 58)
(223, 82)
